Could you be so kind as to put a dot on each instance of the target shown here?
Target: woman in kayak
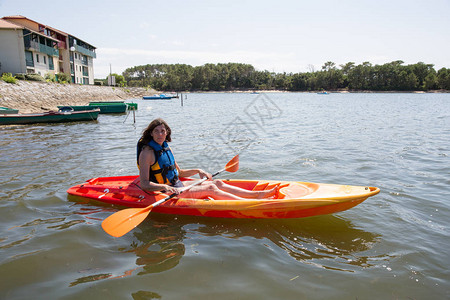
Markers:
(158, 170)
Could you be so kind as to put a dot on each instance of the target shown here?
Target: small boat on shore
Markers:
(6, 110)
(158, 97)
(50, 117)
(112, 107)
(323, 93)
(292, 200)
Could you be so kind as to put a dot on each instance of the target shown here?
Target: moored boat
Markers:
(50, 117)
(6, 110)
(105, 107)
(292, 200)
(110, 107)
(157, 97)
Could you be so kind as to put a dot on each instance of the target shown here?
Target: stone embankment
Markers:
(30, 96)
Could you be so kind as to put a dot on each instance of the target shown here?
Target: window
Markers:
(45, 60)
(37, 57)
(29, 59)
(51, 66)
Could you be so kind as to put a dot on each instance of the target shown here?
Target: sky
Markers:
(277, 35)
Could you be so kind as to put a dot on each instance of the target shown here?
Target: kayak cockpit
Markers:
(285, 190)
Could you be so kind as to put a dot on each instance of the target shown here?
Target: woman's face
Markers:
(159, 134)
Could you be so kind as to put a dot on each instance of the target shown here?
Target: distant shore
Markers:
(328, 91)
(32, 97)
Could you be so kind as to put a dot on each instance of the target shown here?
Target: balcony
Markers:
(48, 50)
(85, 51)
(35, 46)
(38, 43)
(31, 45)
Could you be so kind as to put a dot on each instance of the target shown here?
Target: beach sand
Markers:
(31, 97)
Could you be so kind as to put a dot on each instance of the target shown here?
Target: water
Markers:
(392, 246)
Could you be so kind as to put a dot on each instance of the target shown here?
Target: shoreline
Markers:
(34, 97)
(328, 91)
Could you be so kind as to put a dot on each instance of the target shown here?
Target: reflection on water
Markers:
(160, 246)
(144, 295)
(328, 242)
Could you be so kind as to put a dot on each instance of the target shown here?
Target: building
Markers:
(27, 46)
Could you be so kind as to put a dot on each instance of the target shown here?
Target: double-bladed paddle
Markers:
(126, 220)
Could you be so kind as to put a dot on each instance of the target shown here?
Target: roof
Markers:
(4, 24)
(15, 17)
(8, 25)
(46, 26)
(4, 19)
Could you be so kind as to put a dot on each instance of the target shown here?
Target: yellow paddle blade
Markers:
(125, 220)
(233, 165)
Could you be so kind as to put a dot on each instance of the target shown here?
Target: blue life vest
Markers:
(163, 170)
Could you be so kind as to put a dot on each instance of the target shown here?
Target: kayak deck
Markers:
(292, 200)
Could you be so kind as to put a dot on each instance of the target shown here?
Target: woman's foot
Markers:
(267, 193)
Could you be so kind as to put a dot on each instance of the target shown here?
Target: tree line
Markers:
(393, 76)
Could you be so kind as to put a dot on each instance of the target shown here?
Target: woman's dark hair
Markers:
(147, 133)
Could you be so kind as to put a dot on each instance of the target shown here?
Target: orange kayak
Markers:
(292, 200)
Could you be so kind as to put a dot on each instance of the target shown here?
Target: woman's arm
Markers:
(192, 172)
(146, 159)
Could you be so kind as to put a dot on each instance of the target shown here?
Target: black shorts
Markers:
(178, 184)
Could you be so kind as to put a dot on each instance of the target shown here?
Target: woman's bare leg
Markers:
(219, 190)
(240, 192)
(209, 189)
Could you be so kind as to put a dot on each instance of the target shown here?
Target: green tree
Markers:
(431, 81)
(443, 78)
(231, 76)
(360, 77)
(422, 70)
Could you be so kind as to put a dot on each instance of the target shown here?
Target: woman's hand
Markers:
(171, 189)
(204, 174)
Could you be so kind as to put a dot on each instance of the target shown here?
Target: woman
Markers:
(158, 170)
